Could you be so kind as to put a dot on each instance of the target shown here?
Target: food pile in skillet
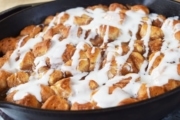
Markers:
(92, 58)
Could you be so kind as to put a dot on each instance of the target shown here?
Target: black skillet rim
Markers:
(151, 100)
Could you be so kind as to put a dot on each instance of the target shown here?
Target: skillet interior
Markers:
(152, 109)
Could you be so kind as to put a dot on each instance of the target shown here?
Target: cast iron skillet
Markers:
(151, 109)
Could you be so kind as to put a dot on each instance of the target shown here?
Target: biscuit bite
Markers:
(17, 79)
(68, 53)
(27, 62)
(55, 76)
(111, 32)
(3, 77)
(172, 84)
(84, 65)
(93, 55)
(46, 92)
(143, 92)
(31, 30)
(115, 6)
(139, 46)
(82, 20)
(113, 70)
(41, 48)
(133, 64)
(122, 83)
(85, 106)
(5, 58)
(56, 102)
(8, 44)
(48, 20)
(128, 101)
(62, 87)
(97, 41)
(155, 32)
(93, 85)
(159, 21)
(100, 6)
(10, 96)
(155, 45)
(177, 35)
(64, 18)
(28, 100)
(156, 62)
(61, 29)
(140, 8)
(156, 90)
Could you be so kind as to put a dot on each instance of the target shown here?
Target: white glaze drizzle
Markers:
(81, 92)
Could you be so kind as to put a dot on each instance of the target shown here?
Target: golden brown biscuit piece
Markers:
(100, 6)
(62, 30)
(30, 101)
(56, 102)
(48, 34)
(112, 32)
(97, 41)
(85, 106)
(41, 48)
(155, 45)
(156, 61)
(93, 54)
(133, 63)
(122, 83)
(64, 18)
(83, 65)
(139, 46)
(156, 90)
(28, 61)
(42, 70)
(68, 53)
(125, 48)
(46, 92)
(31, 30)
(155, 32)
(172, 84)
(55, 76)
(17, 79)
(140, 8)
(93, 85)
(62, 87)
(82, 20)
(128, 101)
(113, 68)
(142, 93)
(114, 6)
(177, 35)
(3, 77)
(159, 21)
(48, 19)
(9, 97)
(8, 44)
(5, 58)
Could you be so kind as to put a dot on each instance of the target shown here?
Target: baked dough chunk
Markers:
(56, 102)
(17, 79)
(3, 83)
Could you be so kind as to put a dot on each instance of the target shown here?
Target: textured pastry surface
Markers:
(92, 58)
